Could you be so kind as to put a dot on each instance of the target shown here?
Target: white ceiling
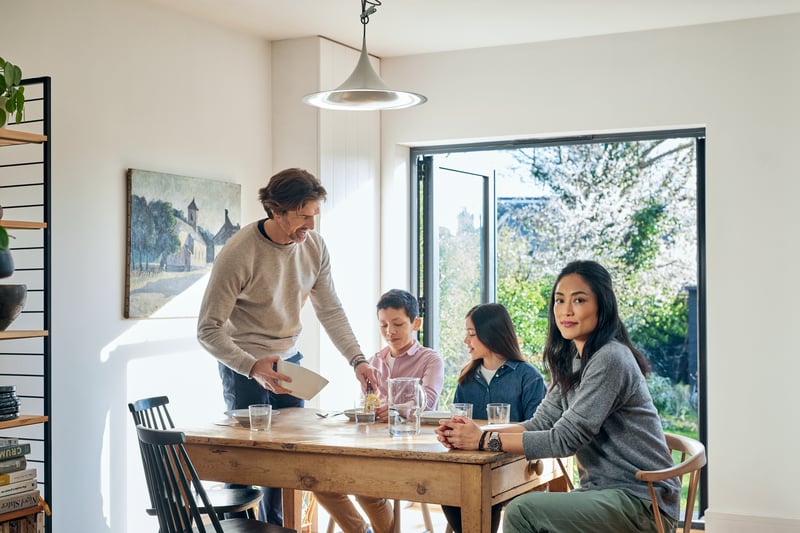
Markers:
(409, 27)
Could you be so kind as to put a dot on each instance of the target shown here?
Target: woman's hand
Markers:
(459, 432)
(265, 374)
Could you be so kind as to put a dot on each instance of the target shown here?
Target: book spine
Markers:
(17, 476)
(22, 500)
(14, 450)
(13, 465)
(16, 488)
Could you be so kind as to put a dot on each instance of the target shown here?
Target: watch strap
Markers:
(482, 441)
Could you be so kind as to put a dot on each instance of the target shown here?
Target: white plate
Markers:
(243, 415)
(305, 383)
(433, 417)
(350, 413)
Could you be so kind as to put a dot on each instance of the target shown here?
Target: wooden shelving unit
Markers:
(10, 137)
(23, 420)
(21, 224)
(25, 352)
(23, 334)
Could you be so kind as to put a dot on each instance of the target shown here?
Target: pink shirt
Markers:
(418, 362)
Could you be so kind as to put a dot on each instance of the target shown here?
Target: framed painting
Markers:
(176, 227)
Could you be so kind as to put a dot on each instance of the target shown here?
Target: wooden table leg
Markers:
(476, 499)
(292, 508)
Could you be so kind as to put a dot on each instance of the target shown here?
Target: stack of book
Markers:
(18, 489)
(9, 403)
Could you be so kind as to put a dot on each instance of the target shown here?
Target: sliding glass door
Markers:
(496, 222)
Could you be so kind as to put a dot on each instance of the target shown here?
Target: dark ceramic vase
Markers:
(12, 300)
(6, 264)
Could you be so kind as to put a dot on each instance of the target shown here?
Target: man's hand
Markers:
(264, 373)
(364, 372)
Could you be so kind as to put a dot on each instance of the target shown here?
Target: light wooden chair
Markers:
(692, 459)
(153, 413)
(173, 482)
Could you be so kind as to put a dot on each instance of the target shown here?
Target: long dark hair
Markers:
(494, 328)
(560, 352)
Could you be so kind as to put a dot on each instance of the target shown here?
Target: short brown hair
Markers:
(290, 189)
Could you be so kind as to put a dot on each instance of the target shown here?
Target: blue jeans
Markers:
(239, 392)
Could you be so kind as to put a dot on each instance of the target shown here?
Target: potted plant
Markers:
(12, 94)
(12, 297)
(6, 262)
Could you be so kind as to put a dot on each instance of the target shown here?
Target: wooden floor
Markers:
(412, 520)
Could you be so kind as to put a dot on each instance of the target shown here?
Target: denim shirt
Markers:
(516, 382)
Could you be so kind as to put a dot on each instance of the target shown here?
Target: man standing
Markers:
(250, 315)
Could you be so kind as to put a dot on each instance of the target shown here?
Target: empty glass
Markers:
(462, 409)
(498, 413)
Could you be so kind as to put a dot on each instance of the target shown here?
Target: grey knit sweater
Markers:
(255, 293)
(608, 421)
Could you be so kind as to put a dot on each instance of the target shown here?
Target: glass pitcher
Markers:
(406, 403)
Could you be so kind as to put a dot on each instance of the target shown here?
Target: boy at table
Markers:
(403, 356)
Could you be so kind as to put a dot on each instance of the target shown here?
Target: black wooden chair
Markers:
(153, 413)
(173, 483)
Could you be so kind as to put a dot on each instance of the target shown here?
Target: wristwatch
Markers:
(494, 444)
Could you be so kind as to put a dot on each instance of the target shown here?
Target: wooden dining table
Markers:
(303, 452)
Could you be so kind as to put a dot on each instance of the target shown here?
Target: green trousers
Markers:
(595, 511)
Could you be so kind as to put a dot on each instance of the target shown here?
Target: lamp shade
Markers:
(364, 90)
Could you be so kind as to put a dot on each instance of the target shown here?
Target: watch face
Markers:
(494, 442)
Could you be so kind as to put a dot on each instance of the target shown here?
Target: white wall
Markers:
(133, 86)
(741, 81)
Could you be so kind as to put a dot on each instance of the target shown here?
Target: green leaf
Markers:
(2, 118)
(17, 73)
(8, 74)
(3, 238)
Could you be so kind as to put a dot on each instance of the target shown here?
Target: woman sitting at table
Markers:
(404, 356)
(598, 408)
(496, 373)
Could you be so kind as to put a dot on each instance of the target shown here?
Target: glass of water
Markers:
(260, 416)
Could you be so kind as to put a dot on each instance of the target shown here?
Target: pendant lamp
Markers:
(364, 90)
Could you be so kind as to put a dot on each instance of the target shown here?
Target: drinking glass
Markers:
(463, 409)
(260, 416)
(362, 414)
(498, 413)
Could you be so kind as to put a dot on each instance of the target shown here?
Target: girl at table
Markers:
(403, 356)
(598, 408)
(496, 373)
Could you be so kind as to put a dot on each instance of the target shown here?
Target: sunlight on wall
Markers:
(348, 228)
(160, 357)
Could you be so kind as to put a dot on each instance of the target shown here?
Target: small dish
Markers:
(243, 416)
